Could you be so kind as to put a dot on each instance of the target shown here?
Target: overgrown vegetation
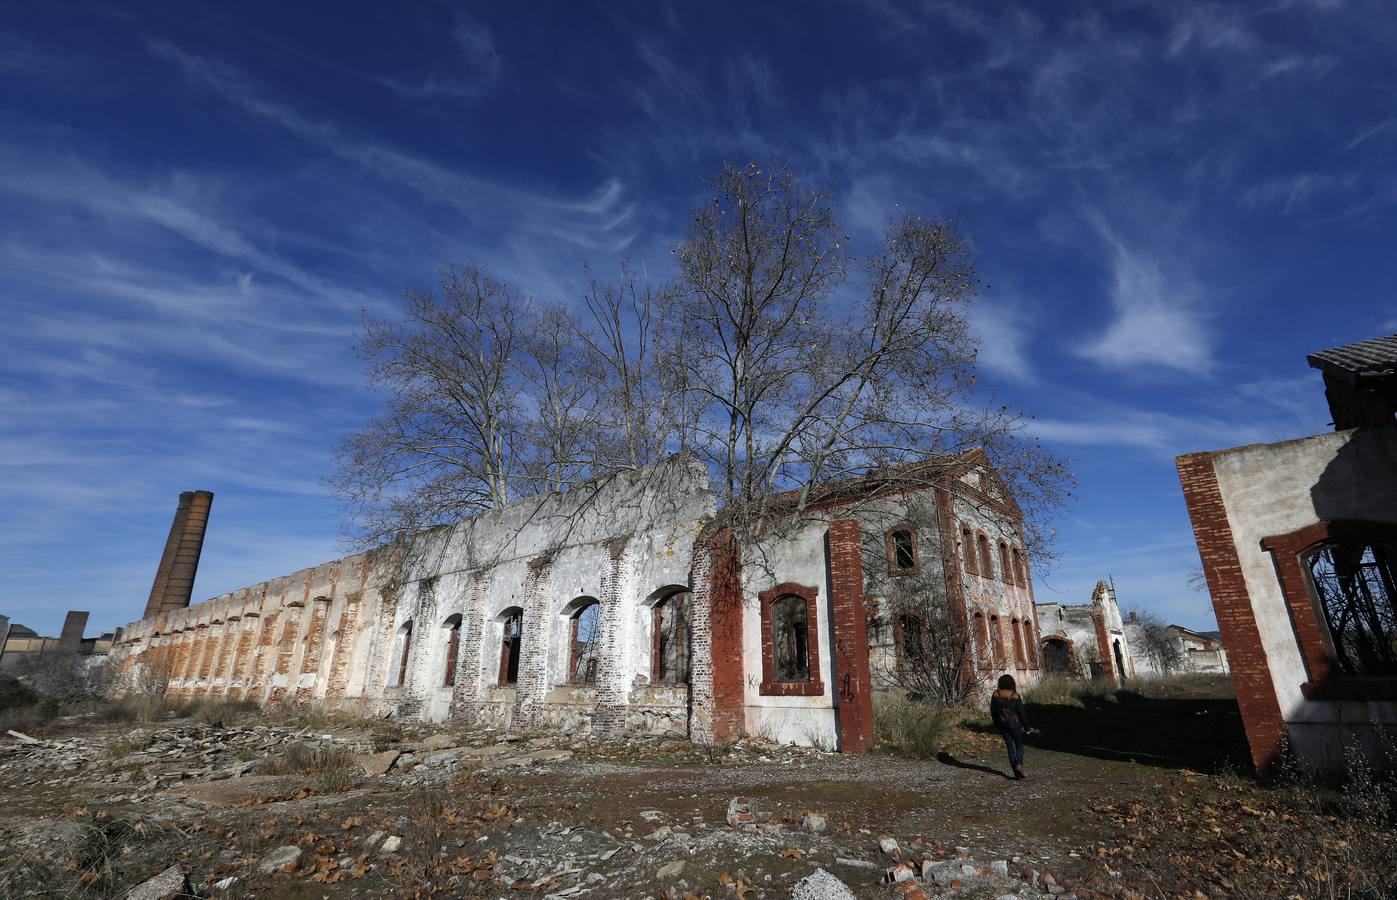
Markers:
(912, 727)
(331, 767)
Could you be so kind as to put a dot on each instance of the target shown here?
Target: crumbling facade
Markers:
(623, 606)
(1298, 541)
(20, 645)
(1087, 640)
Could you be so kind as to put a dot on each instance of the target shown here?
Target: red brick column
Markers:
(240, 669)
(1251, 673)
(315, 639)
(285, 649)
(853, 684)
(725, 617)
(1103, 645)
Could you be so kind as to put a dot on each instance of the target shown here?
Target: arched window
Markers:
(1120, 661)
(671, 649)
(1057, 656)
(1018, 568)
(402, 648)
(997, 642)
(583, 669)
(1005, 572)
(509, 645)
(902, 550)
(911, 634)
(967, 547)
(1354, 584)
(982, 644)
(1018, 644)
(986, 566)
(790, 644)
(1028, 644)
(452, 626)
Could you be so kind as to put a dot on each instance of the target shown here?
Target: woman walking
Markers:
(1008, 714)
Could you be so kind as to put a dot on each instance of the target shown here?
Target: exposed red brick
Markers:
(853, 681)
(725, 618)
(1251, 672)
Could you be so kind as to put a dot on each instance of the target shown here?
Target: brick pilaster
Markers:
(853, 685)
(472, 680)
(536, 632)
(614, 636)
(725, 635)
(1251, 672)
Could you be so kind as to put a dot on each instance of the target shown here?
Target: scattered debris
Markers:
(169, 884)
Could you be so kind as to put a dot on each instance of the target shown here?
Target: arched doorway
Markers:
(1057, 656)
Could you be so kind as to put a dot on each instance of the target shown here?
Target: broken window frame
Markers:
(452, 626)
(402, 640)
(902, 550)
(1292, 554)
(511, 638)
(583, 661)
(789, 595)
(672, 644)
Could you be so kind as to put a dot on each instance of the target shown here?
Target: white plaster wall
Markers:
(798, 556)
(1266, 489)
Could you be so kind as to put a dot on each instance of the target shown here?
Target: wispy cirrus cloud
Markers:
(1158, 318)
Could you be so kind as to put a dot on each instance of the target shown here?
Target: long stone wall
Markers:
(336, 633)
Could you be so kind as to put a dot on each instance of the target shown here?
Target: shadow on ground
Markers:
(1203, 734)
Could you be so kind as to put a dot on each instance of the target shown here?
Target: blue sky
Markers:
(1172, 204)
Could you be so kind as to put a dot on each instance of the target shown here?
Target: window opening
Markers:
(509, 647)
(584, 644)
(672, 640)
(1354, 588)
(790, 639)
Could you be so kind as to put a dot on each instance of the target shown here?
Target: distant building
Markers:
(1087, 640)
(1185, 652)
(18, 643)
(1298, 541)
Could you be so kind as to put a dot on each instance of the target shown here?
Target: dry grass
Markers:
(331, 768)
(1061, 690)
(912, 728)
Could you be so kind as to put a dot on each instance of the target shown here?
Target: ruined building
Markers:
(20, 645)
(1087, 640)
(1299, 547)
(619, 607)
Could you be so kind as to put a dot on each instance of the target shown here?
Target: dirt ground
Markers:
(89, 813)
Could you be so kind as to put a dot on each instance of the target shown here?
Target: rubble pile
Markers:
(155, 757)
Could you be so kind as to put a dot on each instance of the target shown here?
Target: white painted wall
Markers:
(1275, 489)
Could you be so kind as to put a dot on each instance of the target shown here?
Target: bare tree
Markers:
(445, 446)
(781, 359)
(810, 366)
(1160, 644)
(559, 383)
(59, 676)
(621, 350)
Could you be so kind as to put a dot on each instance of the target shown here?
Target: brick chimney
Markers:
(70, 638)
(174, 579)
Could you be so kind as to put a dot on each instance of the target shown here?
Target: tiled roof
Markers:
(1365, 358)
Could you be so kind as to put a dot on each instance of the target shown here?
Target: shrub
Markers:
(331, 768)
(15, 693)
(914, 728)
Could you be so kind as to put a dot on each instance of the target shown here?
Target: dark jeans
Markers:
(1013, 740)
